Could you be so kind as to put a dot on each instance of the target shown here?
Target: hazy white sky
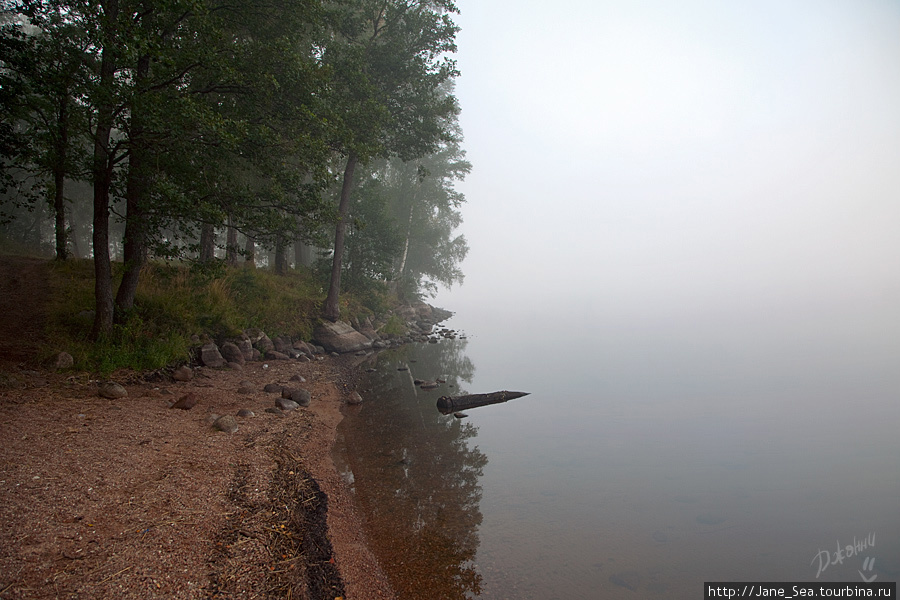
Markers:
(662, 158)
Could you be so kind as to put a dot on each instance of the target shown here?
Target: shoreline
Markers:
(362, 575)
(128, 498)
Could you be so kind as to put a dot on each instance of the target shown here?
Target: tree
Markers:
(390, 60)
(40, 81)
(260, 143)
(374, 239)
(425, 201)
(198, 115)
(215, 120)
(405, 214)
(104, 95)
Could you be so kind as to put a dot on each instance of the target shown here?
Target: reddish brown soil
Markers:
(119, 499)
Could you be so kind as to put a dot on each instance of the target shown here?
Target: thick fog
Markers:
(717, 165)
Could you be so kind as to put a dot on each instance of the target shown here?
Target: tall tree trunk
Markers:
(250, 252)
(398, 277)
(332, 306)
(231, 245)
(405, 255)
(102, 176)
(207, 243)
(59, 176)
(136, 188)
(299, 254)
(74, 237)
(281, 267)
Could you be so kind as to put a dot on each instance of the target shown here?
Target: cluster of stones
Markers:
(253, 345)
(290, 398)
(338, 338)
(445, 333)
(420, 319)
(341, 337)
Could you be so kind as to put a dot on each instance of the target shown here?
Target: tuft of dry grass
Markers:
(303, 556)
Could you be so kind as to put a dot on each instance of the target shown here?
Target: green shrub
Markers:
(176, 301)
(395, 326)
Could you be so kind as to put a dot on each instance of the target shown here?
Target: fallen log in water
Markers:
(451, 404)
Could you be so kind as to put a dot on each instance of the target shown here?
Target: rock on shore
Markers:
(341, 338)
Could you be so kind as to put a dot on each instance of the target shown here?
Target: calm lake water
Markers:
(647, 459)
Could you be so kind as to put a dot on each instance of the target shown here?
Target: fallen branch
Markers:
(114, 574)
(450, 404)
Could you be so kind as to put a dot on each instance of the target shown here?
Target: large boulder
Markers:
(423, 311)
(406, 312)
(183, 373)
(440, 314)
(286, 405)
(231, 353)
(112, 390)
(228, 424)
(304, 347)
(299, 395)
(340, 337)
(187, 402)
(63, 360)
(246, 348)
(282, 344)
(211, 357)
(367, 329)
(264, 344)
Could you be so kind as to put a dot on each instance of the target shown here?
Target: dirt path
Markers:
(129, 499)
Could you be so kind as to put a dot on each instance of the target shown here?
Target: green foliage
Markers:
(173, 303)
(188, 114)
(135, 346)
(394, 326)
(414, 206)
(373, 241)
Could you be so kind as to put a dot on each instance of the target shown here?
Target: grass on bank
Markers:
(175, 302)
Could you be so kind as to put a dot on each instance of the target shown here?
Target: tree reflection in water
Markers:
(416, 473)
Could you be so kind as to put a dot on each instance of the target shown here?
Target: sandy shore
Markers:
(128, 498)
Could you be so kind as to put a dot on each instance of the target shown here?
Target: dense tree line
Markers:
(320, 123)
